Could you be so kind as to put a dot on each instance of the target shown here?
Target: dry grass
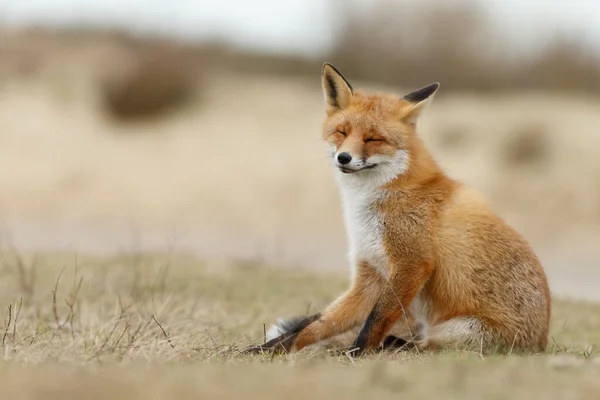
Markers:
(157, 326)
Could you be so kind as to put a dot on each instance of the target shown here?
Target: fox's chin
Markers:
(347, 170)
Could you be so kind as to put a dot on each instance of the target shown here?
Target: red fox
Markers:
(431, 264)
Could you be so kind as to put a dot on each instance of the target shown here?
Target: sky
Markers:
(287, 25)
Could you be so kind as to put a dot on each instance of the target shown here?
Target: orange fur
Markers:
(348, 311)
(449, 266)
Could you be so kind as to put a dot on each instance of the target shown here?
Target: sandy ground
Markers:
(243, 173)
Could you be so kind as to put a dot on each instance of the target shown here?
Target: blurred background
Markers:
(195, 125)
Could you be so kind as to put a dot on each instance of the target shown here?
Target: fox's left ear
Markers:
(336, 89)
(418, 101)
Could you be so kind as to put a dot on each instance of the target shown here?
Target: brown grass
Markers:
(157, 325)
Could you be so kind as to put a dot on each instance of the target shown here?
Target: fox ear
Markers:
(336, 89)
(418, 101)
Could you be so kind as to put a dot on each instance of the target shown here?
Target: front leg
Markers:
(345, 313)
(402, 287)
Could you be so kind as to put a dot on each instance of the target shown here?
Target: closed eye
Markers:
(341, 132)
(374, 140)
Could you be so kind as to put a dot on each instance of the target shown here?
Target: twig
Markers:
(7, 325)
(54, 306)
(14, 334)
(347, 354)
(116, 343)
(107, 339)
(163, 331)
(26, 275)
(72, 299)
(556, 345)
(212, 340)
(137, 331)
(513, 344)
(112, 331)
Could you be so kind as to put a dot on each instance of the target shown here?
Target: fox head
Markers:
(371, 135)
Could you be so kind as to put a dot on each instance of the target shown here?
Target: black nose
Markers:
(344, 158)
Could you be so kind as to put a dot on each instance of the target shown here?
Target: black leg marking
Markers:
(393, 342)
(361, 341)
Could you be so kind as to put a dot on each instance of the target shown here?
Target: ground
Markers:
(155, 326)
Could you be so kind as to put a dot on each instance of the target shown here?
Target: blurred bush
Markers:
(416, 44)
(527, 146)
(160, 77)
(397, 42)
(453, 137)
(457, 44)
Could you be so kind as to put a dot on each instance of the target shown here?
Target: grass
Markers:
(169, 326)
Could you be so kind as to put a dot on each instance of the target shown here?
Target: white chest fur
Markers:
(360, 193)
(364, 225)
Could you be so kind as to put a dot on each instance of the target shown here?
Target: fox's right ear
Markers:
(336, 89)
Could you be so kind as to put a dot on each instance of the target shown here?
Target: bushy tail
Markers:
(284, 326)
